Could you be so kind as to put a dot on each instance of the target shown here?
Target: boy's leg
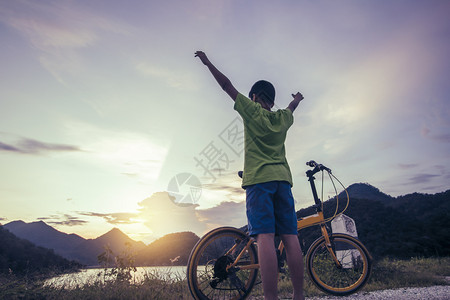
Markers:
(295, 263)
(267, 257)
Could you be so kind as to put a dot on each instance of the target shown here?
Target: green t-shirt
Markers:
(264, 133)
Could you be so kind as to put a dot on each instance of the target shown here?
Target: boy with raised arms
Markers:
(267, 178)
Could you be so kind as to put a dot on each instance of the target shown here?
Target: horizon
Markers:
(107, 118)
(151, 241)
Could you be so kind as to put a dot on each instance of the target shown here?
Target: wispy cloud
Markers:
(6, 147)
(58, 29)
(131, 154)
(232, 191)
(422, 178)
(443, 137)
(406, 166)
(435, 121)
(115, 218)
(161, 215)
(31, 146)
(226, 213)
(64, 220)
(175, 78)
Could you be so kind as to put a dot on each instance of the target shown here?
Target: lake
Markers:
(85, 276)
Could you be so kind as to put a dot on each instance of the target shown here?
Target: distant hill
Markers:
(21, 257)
(41, 234)
(171, 249)
(115, 239)
(72, 246)
(402, 227)
(365, 191)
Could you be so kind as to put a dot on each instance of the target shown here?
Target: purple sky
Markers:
(102, 104)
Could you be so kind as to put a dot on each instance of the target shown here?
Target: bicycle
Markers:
(224, 262)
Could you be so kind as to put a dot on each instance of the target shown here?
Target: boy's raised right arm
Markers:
(221, 79)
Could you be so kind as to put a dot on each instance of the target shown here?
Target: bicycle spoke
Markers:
(211, 278)
(351, 273)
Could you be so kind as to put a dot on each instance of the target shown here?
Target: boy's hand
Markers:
(221, 79)
(202, 56)
(294, 103)
(298, 97)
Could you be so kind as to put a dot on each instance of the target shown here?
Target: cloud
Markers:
(6, 147)
(435, 120)
(228, 188)
(161, 215)
(406, 166)
(31, 146)
(226, 213)
(422, 178)
(175, 78)
(58, 29)
(66, 220)
(443, 138)
(130, 174)
(131, 154)
(115, 218)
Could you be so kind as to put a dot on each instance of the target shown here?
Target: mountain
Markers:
(115, 239)
(72, 246)
(21, 257)
(365, 191)
(41, 234)
(402, 227)
(171, 249)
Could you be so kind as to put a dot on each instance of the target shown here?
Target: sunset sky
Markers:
(103, 105)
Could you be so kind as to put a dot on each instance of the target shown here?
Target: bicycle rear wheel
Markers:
(350, 276)
(206, 271)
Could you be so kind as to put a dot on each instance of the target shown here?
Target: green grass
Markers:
(391, 274)
(416, 272)
(386, 274)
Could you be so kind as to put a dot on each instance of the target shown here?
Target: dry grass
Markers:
(386, 274)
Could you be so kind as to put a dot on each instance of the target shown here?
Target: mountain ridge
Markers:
(387, 225)
(23, 258)
(72, 246)
(366, 191)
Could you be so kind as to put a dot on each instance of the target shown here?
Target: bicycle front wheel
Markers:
(207, 273)
(344, 278)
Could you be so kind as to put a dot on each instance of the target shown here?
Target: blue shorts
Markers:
(270, 208)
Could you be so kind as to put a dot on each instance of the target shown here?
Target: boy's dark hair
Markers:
(263, 90)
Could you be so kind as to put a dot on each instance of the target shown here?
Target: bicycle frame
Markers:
(316, 219)
(337, 263)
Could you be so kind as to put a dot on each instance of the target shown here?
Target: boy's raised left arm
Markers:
(221, 79)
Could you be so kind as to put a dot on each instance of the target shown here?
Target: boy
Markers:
(267, 178)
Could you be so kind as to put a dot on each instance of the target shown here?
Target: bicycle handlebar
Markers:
(317, 167)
